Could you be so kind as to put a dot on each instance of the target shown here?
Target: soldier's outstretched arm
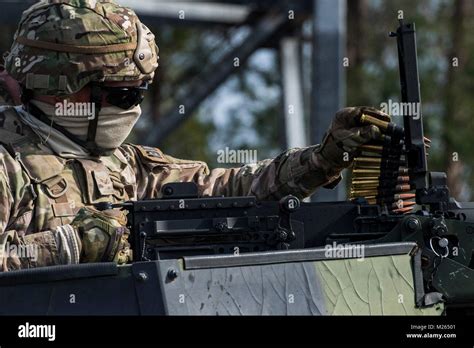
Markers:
(297, 171)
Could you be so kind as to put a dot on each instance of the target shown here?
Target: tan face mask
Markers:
(114, 125)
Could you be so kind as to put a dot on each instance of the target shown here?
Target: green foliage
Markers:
(240, 114)
(447, 104)
(191, 141)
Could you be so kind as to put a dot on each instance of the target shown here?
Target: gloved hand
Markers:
(93, 236)
(103, 235)
(345, 135)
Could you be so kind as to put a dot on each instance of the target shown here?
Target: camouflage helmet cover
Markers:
(62, 45)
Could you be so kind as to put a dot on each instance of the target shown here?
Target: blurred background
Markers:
(270, 74)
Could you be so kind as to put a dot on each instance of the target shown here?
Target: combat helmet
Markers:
(61, 46)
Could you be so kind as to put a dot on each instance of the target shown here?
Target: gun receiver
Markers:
(183, 224)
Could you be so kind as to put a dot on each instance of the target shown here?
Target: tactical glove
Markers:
(93, 236)
(345, 135)
(104, 235)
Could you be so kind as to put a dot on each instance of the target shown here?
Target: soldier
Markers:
(83, 66)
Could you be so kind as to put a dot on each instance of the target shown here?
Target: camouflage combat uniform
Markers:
(40, 191)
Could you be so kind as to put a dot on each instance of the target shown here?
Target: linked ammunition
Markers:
(384, 117)
(377, 184)
(382, 191)
(380, 174)
(403, 187)
(377, 199)
(374, 148)
(368, 159)
(403, 210)
(395, 179)
(404, 196)
(376, 170)
(375, 121)
(366, 171)
(388, 127)
(362, 193)
(402, 204)
(365, 182)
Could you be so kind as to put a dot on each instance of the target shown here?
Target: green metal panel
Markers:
(382, 285)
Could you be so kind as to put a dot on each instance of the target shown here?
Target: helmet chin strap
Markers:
(96, 98)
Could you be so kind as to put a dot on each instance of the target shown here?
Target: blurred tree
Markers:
(357, 47)
(243, 119)
(454, 56)
(181, 57)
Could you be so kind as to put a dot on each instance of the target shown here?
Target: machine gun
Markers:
(181, 224)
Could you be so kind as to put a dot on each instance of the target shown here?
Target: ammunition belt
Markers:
(380, 174)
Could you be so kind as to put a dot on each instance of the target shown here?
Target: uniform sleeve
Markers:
(297, 171)
(6, 201)
(9, 239)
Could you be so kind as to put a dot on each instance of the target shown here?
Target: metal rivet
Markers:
(443, 242)
(142, 276)
(172, 274)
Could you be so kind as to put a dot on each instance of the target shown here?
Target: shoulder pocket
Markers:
(151, 154)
